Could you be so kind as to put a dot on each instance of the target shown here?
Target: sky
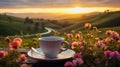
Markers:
(57, 6)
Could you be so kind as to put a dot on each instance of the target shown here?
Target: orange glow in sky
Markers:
(73, 10)
(78, 10)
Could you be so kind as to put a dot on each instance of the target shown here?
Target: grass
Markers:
(10, 25)
(102, 20)
(16, 26)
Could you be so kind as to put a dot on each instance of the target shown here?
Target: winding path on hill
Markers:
(49, 30)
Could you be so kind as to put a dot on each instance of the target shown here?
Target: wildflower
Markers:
(108, 39)
(101, 43)
(68, 64)
(14, 45)
(105, 47)
(82, 42)
(77, 35)
(3, 54)
(89, 35)
(117, 54)
(7, 39)
(24, 65)
(109, 32)
(22, 57)
(80, 32)
(77, 55)
(114, 54)
(74, 45)
(97, 39)
(115, 35)
(88, 25)
(95, 45)
(82, 48)
(18, 39)
(78, 61)
(70, 35)
(107, 53)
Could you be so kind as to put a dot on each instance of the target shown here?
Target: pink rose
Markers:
(69, 64)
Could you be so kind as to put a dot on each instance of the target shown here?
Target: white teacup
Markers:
(51, 46)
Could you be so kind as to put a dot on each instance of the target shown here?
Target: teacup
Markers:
(52, 46)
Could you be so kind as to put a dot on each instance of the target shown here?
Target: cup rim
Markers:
(51, 39)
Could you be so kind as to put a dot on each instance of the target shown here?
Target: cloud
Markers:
(58, 3)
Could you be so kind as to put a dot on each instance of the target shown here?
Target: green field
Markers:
(10, 26)
(102, 20)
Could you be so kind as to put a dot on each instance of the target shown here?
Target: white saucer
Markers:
(62, 56)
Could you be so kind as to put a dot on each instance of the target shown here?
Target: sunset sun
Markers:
(76, 10)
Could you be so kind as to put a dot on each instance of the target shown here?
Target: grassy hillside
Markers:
(102, 20)
(10, 25)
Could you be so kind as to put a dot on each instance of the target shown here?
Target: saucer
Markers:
(62, 56)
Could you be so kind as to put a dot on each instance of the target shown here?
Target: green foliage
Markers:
(91, 45)
(103, 20)
(10, 59)
(10, 25)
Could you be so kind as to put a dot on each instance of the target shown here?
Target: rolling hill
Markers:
(10, 25)
(102, 20)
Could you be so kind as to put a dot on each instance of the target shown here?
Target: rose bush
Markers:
(12, 56)
(94, 49)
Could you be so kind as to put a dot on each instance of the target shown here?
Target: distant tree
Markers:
(28, 21)
(107, 11)
(31, 21)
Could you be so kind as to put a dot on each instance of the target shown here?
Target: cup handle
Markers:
(64, 49)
